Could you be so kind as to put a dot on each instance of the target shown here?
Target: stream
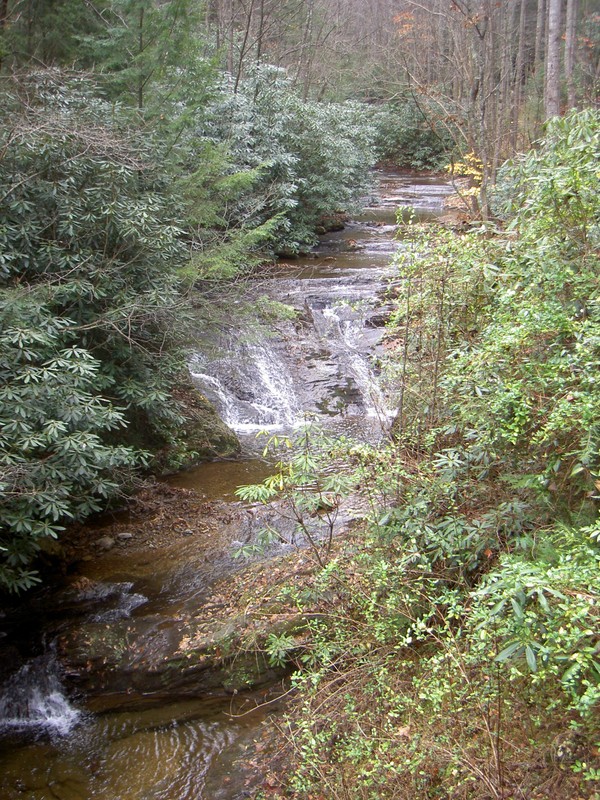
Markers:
(63, 738)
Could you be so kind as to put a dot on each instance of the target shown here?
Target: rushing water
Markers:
(56, 746)
(34, 699)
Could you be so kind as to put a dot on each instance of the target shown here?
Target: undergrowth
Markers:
(457, 651)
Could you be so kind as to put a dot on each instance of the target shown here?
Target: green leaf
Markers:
(531, 658)
(514, 648)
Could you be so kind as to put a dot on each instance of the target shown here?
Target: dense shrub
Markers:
(408, 135)
(457, 653)
(311, 159)
(89, 297)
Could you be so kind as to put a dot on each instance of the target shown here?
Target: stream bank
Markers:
(131, 710)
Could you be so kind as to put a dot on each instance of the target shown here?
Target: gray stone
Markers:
(105, 543)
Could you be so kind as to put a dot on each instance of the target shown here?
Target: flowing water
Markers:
(322, 361)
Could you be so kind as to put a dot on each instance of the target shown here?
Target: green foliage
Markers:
(461, 642)
(279, 647)
(408, 135)
(311, 158)
(446, 290)
(55, 465)
(107, 214)
(149, 55)
(418, 685)
(540, 398)
(48, 31)
(81, 218)
(544, 610)
(508, 328)
(89, 254)
(308, 489)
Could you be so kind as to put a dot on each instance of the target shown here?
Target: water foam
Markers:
(34, 699)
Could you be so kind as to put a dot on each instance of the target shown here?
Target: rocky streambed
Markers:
(137, 676)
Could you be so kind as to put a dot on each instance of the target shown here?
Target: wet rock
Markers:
(51, 548)
(144, 657)
(378, 320)
(105, 543)
(332, 222)
(206, 436)
(125, 536)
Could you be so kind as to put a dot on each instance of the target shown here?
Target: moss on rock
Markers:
(203, 435)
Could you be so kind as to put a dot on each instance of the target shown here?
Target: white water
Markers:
(34, 699)
(252, 387)
(322, 363)
(186, 750)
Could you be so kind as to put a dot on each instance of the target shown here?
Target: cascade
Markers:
(34, 699)
(322, 361)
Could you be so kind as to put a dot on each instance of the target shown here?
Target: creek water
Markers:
(57, 744)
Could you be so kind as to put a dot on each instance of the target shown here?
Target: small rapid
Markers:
(34, 700)
(318, 358)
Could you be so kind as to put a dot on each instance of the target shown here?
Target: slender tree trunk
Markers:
(230, 36)
(261, 31)
(3, 22)
(519, 77)
(552, 86)
(506, 57)
(244, 46)
(540, 34)
(140, 87)
(305, 57)
(570, 40)
(483, 32)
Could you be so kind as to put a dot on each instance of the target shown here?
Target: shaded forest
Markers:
(154, 156)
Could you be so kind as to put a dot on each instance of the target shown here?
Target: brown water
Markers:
(58, 745)
(219, 479)
(171, 752)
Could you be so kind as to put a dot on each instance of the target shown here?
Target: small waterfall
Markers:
(251, 385)
(34, 699)
(323, 363)
(346, 324)
(323, 366)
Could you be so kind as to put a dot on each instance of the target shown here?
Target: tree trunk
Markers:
(570, 40)
(261, 31)
(519, 77)
(540, 34)
(3, 21)
(140, 86)
(244, 46)
(552, 86)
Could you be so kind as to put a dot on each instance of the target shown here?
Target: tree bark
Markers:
(540, 34)
(3, 21)
(570, 41)
(519, 76)
(552, 85)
